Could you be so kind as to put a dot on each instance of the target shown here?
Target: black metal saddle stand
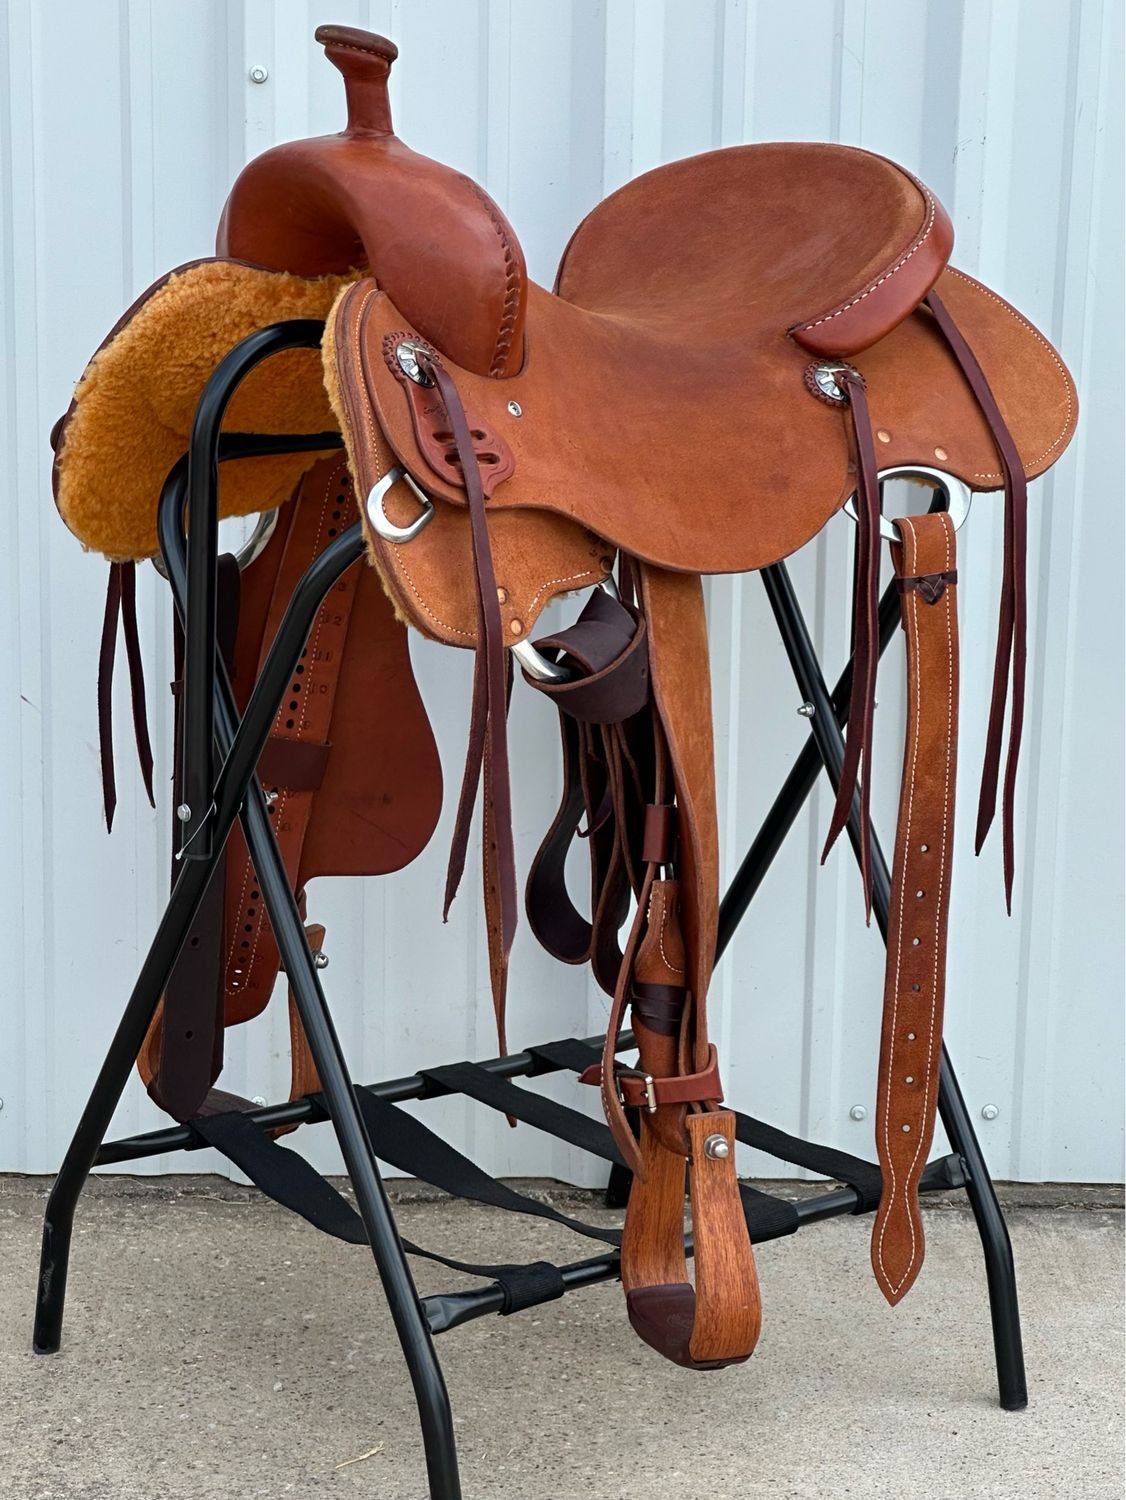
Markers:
(220, 753)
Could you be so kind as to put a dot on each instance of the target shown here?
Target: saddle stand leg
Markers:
(414, 1334)
(359, 1158)
(413, 1331)
(58, 1218)
(237, 791)
(828, 751)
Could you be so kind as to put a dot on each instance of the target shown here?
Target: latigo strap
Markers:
(915, 982)
(1010, 659)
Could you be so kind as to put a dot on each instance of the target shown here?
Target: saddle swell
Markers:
(736, 344)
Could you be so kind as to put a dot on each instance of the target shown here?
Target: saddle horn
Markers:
(365, 61)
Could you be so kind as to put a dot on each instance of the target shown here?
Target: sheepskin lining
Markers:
(133, 408)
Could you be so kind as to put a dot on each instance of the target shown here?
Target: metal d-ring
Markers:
(958, 494)
(541, 667)
(380, 524)
(252, 548)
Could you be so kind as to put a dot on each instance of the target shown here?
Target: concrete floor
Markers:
(215, 1347)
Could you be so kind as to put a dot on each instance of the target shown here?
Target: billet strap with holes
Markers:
(303, 1076)
(292, 764)
(914, 989)
(227, 971)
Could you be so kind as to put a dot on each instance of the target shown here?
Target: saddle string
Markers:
(1012, 621)
(121, 605)
(489, 701)
(856, 767)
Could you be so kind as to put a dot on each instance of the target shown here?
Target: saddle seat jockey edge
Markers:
(735, 345)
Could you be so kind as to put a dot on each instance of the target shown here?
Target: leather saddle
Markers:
(736, 345)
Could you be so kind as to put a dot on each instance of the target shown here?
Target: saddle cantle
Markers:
(736, 345)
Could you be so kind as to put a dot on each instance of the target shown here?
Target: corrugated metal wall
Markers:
(123, 124)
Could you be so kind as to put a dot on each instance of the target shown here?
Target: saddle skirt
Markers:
(736, 344)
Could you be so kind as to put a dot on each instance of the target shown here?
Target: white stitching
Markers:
(673, 968)
(875, 285)
(894, 1193)
(552, 582)
(919, 1142)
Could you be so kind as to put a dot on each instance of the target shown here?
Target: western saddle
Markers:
(737, 345)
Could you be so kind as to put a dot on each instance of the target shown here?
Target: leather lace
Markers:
(488, 721)
(121, 604)
(1010, 658)
(856, 767)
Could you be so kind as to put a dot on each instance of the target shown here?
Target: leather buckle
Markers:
(646, 1079)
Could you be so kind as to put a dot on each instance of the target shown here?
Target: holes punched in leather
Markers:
(431, 423)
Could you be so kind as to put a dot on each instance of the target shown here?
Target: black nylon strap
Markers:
(826, 1161)
(399, 1139)
(282, 1175)
(537, 1282)
(568, 1055)
(291, 1182)
(559, 1120)
(413, 1147)
(768, 1217)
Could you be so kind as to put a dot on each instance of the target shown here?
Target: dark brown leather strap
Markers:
(915, 980)
(107, 651)
(856, 768)
(136, 676)
(1012, 626)
(303, 1076)
(488, 722)
(121, 604)
(659, 1007)
(607, 744)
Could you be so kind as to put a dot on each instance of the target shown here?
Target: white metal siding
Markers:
(123, 125)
